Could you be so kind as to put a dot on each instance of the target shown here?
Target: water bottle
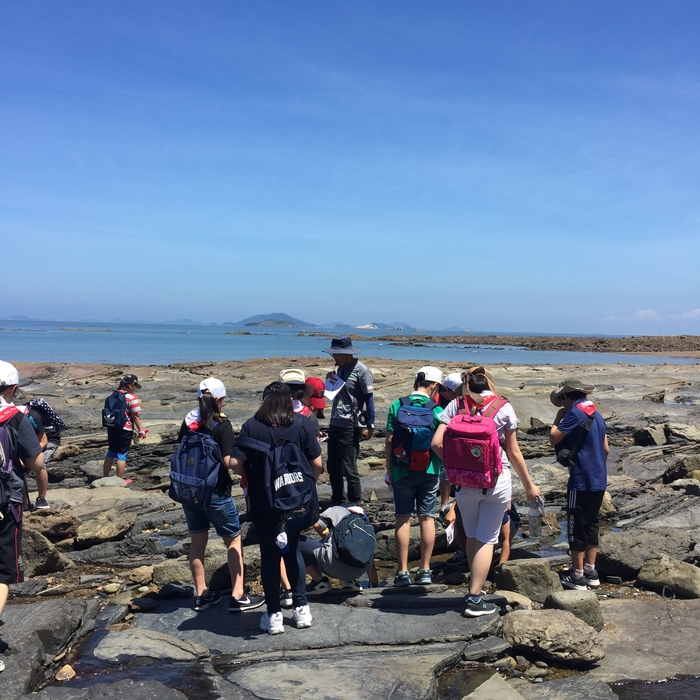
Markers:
(534, 517)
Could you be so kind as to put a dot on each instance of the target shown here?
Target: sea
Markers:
(165, 344)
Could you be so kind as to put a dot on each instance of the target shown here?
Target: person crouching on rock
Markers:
(414, 470)
(275, 477)
(483, 494)
(580, 427)
(221, 511)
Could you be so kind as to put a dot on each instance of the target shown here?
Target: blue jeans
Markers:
(221, 513)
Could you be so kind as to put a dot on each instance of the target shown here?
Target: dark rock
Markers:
(653, 435)
(175, 590)
(130, 552)
(126, 689)
(111, 615)
(28, 589)
(566, 688)
(39, 556)
(488, 649)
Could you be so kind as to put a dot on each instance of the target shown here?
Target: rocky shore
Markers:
(106, 610)
(671, 345)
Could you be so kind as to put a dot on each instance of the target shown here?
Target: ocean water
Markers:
(161, 344)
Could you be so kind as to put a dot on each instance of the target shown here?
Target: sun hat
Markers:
(316, 399)
(342, 345)
(9, 376)
(293, 376)
(568, 385)
(478, 369)
(453, 381)
(432, 374)
(130, 379)
(214, 386)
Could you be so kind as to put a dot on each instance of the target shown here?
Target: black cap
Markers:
(276, 387)
(130, 379)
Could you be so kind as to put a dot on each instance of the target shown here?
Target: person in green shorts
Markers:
(413, 471)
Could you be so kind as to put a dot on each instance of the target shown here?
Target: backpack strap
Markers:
(461, 405)
(405, 401)
(494, 406)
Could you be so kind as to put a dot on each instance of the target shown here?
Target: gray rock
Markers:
(120, 647)
(662, 573)
(349, 674)
(126, 689)
(652, 435)
(40, 557)
(171, 570)
(175, 590)
(108, 481)
(488, 649)
(565, 689)
(28, 589)
(144, 604)
(495, 688)
(624, 553)
(583, 604)
(690, 487)
(111, 615)
(36, 633)
(690, 433)
(555, 635)
(128, 552)
(104, 527)
(530, 577)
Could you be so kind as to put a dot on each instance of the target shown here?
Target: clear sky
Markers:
(512, 166)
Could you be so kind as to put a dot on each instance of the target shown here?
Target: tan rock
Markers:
(65, 673)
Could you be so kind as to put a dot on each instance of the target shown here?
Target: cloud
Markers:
(645, 315)
(695, 313)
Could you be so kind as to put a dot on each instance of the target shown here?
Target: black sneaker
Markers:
(207, 599)
(575, 583)
(478, 607)
(245, 602)
(41, 503)
(318, 586)
(592, 578)
(286, 598)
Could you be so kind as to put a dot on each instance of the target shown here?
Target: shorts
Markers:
(49, 452)
(118, 444)
(221, 513)
(11, 548)
(482, 513)
(416, 492)
(583, 521)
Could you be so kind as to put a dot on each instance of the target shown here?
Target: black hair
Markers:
(478, 383)
(575, 395)
(124, 385)
(297, 391)
(421, 382)
(276, 407)
(209, 409)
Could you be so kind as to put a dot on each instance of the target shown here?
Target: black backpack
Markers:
(353, 541)
(289, 480)
(11, 484)
(114, 412)
(194, 469)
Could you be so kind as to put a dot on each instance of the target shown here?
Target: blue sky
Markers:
(503, 166)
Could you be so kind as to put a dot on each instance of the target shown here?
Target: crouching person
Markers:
(346, 551)
(201, 482)
(414, 470)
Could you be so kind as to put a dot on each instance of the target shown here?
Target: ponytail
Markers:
(209, 410)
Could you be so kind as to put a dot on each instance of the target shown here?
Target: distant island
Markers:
(276, 320)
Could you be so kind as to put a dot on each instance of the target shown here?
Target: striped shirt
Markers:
(132, 408)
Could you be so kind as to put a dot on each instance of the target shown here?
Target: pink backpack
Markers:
(471, 450)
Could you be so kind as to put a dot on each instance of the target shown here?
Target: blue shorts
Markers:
(221, 513)
(119, 456)
(416, 492)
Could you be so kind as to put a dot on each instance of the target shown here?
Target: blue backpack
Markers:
(289, 480)
(413, 432)
(114, 412)
(353, 541)
(194, 469)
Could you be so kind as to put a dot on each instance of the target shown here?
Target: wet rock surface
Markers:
(104, 541)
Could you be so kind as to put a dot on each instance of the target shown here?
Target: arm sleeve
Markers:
(571, 421)
(225, 438)
(27, 442)
(369, 401)
(237, 452)
(311, 446)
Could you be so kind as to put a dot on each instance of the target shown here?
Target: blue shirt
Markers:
(590, 471)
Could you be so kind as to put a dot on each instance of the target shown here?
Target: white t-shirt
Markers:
(505, 419)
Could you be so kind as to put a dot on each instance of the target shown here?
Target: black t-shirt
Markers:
(37, 422)
(223, 435)
(25, 443)
(255, 459)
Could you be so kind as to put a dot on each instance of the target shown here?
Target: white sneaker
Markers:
(302, 616)
(273, 624)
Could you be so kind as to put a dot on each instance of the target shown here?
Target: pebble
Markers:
(111, 588)
(536, 673)
(143, 589)
(65, 673)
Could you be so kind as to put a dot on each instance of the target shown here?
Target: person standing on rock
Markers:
(119, 438)
(221, 513)
(579, 425)
(482, 508)
(276, 424)
(20, 446)
(413, 470)
(352, 420)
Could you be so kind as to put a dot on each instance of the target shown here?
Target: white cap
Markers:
(432, 374)
(453, 381)
(292, 376)
(215, 386)
(8, 374)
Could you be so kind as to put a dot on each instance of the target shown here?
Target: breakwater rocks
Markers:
(106, 610)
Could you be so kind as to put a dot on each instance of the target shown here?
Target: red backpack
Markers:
(471, 450)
